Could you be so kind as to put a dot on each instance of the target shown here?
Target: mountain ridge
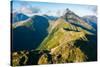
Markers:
(67, 39)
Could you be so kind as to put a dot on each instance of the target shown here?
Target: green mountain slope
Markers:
(62, 43)
(63, 32)
(69, 39)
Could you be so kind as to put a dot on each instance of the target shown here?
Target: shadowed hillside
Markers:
(27, 37)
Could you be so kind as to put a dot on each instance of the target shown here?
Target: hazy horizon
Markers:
(53, 9)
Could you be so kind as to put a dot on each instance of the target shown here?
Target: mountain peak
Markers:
(68, 11)
(74, 19)
(68, 14)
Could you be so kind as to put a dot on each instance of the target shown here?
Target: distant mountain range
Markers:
(19, 17)
(44, 39)
(92, 20)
